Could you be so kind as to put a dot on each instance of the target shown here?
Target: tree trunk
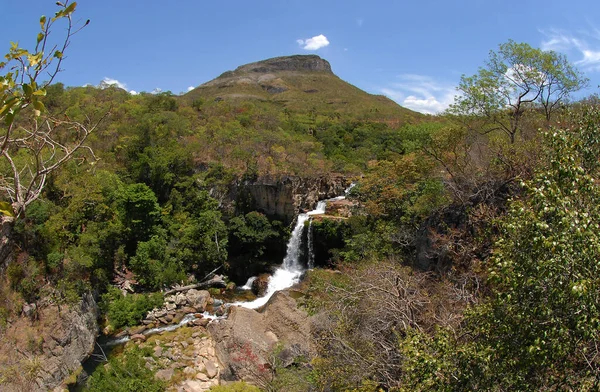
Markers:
(6, 241)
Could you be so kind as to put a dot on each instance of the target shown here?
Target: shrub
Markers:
(128, 310)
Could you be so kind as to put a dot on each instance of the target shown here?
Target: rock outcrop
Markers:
(184, 359)
(266, 70)
(38, 352)
(286, 196)
(247, 340)
(174, 309)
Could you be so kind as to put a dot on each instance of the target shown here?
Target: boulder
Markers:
(180, 299)
(260, 284)
(29, 310)
(138, 338)
(245, 341)
(197, 299)
(211, 369)
(164, 374)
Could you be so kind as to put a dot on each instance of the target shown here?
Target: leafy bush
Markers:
(126, 373)
(128, 310)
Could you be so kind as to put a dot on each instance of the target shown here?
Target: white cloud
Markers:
(112, 82)
(421, 93)
(584, 45)
(314, 43)
(109, 82)
(157, 90)
(190, 88)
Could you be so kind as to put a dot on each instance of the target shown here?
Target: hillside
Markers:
(301, 83)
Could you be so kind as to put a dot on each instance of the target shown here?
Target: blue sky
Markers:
(412, 51)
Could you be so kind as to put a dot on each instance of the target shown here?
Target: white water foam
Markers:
(291, 269)
(248, 285)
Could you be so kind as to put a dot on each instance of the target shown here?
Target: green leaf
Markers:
(40, 37)
(71, 8)
(58, 54)
(6, 208)
(27, 90)
(43, 23)
(39, 107)
(10, 117)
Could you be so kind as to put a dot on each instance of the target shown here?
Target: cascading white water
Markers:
(291, 269)
(248, 285)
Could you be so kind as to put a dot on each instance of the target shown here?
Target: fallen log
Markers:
(215, 281)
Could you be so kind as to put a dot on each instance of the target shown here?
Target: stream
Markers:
(288, 274)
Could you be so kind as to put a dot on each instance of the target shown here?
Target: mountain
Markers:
(301, 83)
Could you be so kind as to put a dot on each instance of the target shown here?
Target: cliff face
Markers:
(37, 352)
(267, 69)
(286, 196)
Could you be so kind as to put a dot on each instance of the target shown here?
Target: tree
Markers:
(36, 145)
(539, 328)
(515, 79)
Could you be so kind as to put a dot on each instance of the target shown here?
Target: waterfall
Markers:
(291, 269)
(311, 251)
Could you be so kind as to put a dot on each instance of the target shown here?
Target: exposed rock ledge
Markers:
(246, 340)
(286, 196)
(38, 355)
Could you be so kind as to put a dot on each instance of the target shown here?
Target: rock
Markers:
(201, 322)
(160, 313)
(158, 351)
(198, 299)
(170, 306)
(188, 310)
(260, 284)
(211, 369)
(202, 377)
(137, 330)
(29, 310)
(68, 337)
(247, 332)
(178, 317)
(164, 374)
(189, 370)
(272, 337)
(168, 318)
(138, 337)
(230, 286)
(180, 299)
(194, 386)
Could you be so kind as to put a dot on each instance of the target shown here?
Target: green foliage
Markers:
(152, 266)
(125, 373)
(516, 79)
(540, 327)
(25, 277)
(30, 151)
(138, 207)
(251, 234)
(129, 310)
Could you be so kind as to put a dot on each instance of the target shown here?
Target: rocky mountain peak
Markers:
(296, 63)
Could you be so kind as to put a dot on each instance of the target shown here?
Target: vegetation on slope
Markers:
(468, 263)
